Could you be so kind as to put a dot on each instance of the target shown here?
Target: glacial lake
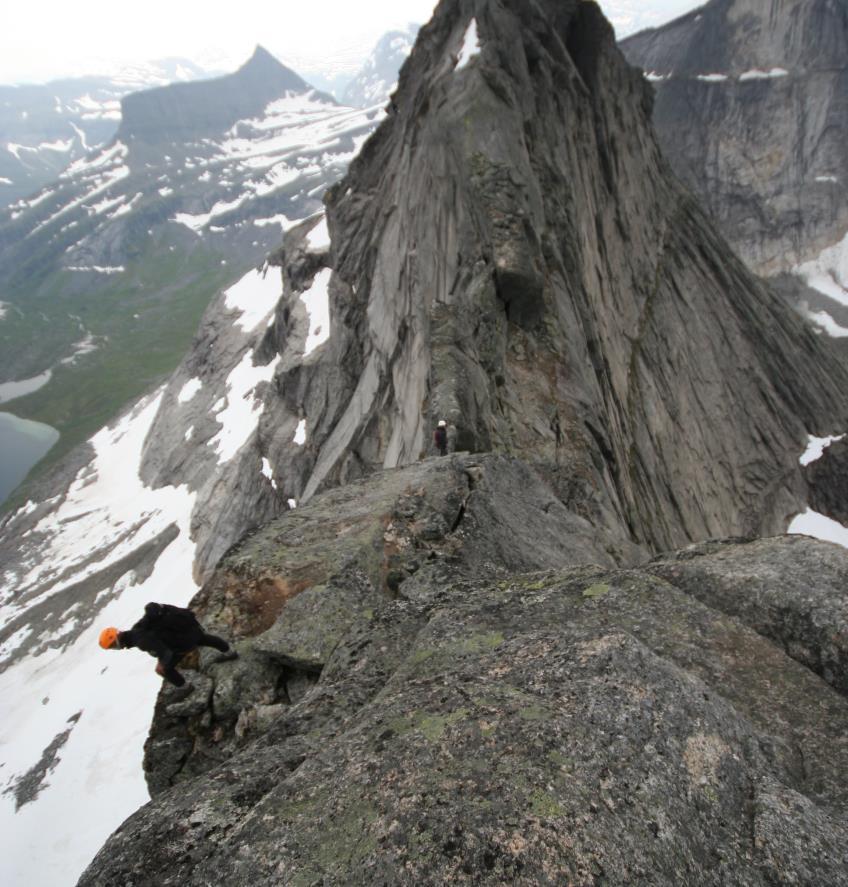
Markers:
(11, 390)
(22, 444)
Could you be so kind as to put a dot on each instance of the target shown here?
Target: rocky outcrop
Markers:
(453, 670)
(293, 587)
(409, 707)
(751, 111)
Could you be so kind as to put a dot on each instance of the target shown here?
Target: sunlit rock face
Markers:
(750, 108)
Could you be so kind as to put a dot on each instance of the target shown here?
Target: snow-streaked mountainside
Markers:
(75, 719)
(332, 71)
(44, 128)
(377, 79)
(487, 258)
(126, 247)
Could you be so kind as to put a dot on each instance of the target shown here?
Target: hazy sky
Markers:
(45, 39)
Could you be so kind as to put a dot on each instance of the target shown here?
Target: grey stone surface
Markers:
(454, 670)
(578, 726)
(765, 154)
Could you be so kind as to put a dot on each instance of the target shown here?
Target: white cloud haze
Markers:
(47, 39)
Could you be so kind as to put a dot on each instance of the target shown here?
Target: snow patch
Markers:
(816, 447)
(98, 269)
(300, 433)
(85, 346)
(188, 390)
(823, 320)
(255, 296)
(281, 220)
(268, 472)
(318, 239)
(240, 416)
(828, 272)
(470, 45)
(811, 523)
(757, 74)
(199, 221)
(712, 78)
(317, 302)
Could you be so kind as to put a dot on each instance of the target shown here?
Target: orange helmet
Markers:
(109, 638)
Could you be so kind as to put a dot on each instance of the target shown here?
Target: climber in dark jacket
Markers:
(440, 437)
(167, 633)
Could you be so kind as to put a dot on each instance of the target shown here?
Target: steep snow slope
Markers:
(75, 717)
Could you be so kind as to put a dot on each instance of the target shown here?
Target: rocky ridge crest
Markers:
(452, 669)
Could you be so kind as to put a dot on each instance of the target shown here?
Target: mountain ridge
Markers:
(446, 664)
(210, 105)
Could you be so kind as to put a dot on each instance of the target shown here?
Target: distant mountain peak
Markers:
(204, 107)
(265, 61)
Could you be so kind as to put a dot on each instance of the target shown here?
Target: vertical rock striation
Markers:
(511, 252)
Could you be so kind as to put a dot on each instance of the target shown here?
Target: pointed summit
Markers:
(511, 252)
(207, 107)
(263, 64)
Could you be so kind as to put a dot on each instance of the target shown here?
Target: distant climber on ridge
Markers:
(166, 632)
(440, 436)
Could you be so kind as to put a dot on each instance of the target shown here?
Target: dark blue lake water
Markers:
(22, 444)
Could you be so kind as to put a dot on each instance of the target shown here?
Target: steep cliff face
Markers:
(510, 253)
(752, 111)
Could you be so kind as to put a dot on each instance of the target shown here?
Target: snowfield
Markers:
(95, 706)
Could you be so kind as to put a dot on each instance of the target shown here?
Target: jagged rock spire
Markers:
(511, 252)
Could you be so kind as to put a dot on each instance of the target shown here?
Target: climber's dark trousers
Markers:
(209, 640)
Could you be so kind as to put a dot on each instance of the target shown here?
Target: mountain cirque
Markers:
(454, 670)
